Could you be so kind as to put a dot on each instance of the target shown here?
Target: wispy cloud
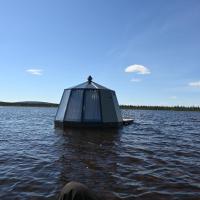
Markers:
(194, 84)
(136, 80)
(173, 97)
(139, 69)
(36, 72)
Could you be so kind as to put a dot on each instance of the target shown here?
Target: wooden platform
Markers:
(127, 121)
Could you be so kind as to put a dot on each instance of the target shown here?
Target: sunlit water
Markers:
(157, 157)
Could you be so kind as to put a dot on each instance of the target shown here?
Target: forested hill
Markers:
(29, 103)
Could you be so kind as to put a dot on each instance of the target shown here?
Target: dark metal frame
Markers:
(82, 110)
(99, 93)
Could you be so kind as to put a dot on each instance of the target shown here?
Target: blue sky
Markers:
(46, 46)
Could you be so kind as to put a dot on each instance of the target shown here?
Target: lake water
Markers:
(157, 157)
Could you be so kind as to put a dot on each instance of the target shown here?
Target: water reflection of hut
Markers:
(89, 104)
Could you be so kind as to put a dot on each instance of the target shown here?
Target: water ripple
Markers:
(155, 158)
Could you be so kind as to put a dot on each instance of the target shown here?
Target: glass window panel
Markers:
(91, 107)
(117, 108)
(63, 105)
(74, 109)
(107, 107)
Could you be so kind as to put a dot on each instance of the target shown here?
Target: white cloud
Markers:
(173, 97)
(135, 80)
(36, 72)
(194, 84)
(139, 69)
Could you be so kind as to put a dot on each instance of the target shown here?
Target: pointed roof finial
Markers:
(89, 79)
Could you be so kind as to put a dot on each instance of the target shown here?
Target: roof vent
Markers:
(89, 79)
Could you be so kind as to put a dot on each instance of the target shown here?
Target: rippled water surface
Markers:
(157, 157)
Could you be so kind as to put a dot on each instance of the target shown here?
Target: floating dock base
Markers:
(127, 121)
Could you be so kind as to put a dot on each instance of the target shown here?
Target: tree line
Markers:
(134, 107)
(29, 104)
(173, 108)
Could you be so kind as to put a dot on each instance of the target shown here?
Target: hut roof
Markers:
(89, 85)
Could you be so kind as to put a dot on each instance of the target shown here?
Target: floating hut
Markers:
(89, 105)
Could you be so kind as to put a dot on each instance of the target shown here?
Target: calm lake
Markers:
(157, 157)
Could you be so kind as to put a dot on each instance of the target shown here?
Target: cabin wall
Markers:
(117, 109)
(107, 107)
(91, 107)
(63, 105)
(74, 108)
(85, 106)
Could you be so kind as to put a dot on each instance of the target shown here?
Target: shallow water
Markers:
(157, 157)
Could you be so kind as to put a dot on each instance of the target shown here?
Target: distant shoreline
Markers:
(170, 108)
(132, 107)
(29, 104)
